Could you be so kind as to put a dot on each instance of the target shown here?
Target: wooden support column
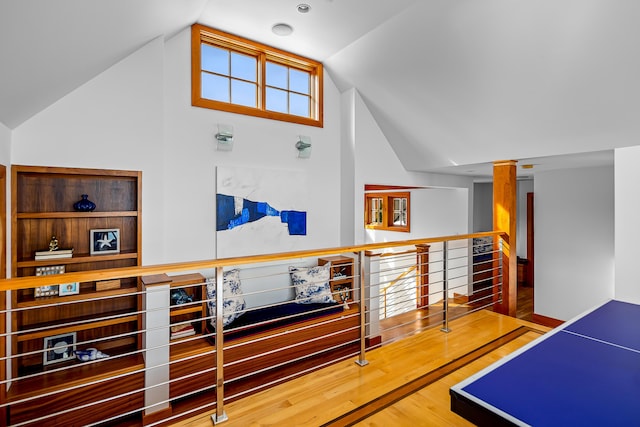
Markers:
(423, 275)
(504, 219)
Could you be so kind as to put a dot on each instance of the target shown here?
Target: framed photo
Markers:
(59, 348)
(69, 289)
(50, 290)
(105, 241)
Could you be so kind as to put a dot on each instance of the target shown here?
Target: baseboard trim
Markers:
(460, 299)
(154, 417)
(373, 342)
(546, 321)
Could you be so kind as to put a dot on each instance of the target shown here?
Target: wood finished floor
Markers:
(405, 383)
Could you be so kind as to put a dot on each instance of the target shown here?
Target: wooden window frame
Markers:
(387, 211)
(263, 53)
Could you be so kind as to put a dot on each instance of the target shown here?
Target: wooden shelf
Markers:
(194, 284)
(42, 200)
(37, 302)
(341, 274)
(77, 259)
(80, 373)
(180, 311)
(65, 215)
(79, 324)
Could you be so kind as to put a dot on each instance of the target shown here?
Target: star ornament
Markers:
(105, 241)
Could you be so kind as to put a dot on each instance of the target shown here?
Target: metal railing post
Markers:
(220, 415)
(363, 319)
(445, 296)
(500, 267)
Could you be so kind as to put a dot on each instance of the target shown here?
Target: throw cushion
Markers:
(233, 304)
(311, 284)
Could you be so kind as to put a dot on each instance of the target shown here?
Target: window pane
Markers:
(276, 100)
(243, 67)
(214, 59)
(298, 105)
(299, 81)
(399, 211)
(276, 75)
(243, 93)
(215, 87)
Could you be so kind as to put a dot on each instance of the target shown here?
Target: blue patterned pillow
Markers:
(311, 284)
(233, 305)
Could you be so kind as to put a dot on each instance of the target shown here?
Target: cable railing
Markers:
(155, 345)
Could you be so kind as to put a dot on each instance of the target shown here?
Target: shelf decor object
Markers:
(59, 348)
(69, 289)
(84, 205)
(105, 241)
(51, 290)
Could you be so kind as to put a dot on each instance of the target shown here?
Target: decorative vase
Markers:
(84, 205)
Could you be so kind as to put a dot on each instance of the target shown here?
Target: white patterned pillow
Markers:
(233, 305)
(311, 284)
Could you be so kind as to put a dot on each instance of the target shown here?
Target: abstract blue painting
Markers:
(228, 217)
(260, 211)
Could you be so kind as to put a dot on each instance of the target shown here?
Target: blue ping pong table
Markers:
(584, 373)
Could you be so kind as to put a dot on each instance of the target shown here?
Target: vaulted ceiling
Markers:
(452, 84)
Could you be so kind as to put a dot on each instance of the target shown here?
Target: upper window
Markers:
(387, 211)
(241, 76)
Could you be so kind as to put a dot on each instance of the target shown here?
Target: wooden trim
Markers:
(377, 187)
(202, 34)
(387, 211)
(138, 271)
(504, 219)
(62, 215)
(3, 295)
(75, 171)
(530, 239)
(546, 321)
(74, 328)
(157, 416)
(422, 258)
(373, 342)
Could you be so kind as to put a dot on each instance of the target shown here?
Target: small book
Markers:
(57, 251)
(180, 331)
(53, 255)
(60, 253)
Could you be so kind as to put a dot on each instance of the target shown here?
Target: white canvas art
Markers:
(260, 211)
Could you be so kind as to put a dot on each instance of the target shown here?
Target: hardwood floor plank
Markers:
(433, 401)
(324, 396)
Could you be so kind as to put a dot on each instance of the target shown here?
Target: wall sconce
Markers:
(304, 147)
(224, 137)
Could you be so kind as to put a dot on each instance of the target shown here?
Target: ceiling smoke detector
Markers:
(304, 8)
(282, 29)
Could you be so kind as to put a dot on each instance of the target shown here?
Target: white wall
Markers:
(191, 157)
(5, 146)
(482, 206)
(574, 253)
(138, 115)
(434, 212)
(113, 121)
(627, 229)
(377, 163)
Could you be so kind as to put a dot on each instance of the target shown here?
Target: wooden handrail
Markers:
(116, 273)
